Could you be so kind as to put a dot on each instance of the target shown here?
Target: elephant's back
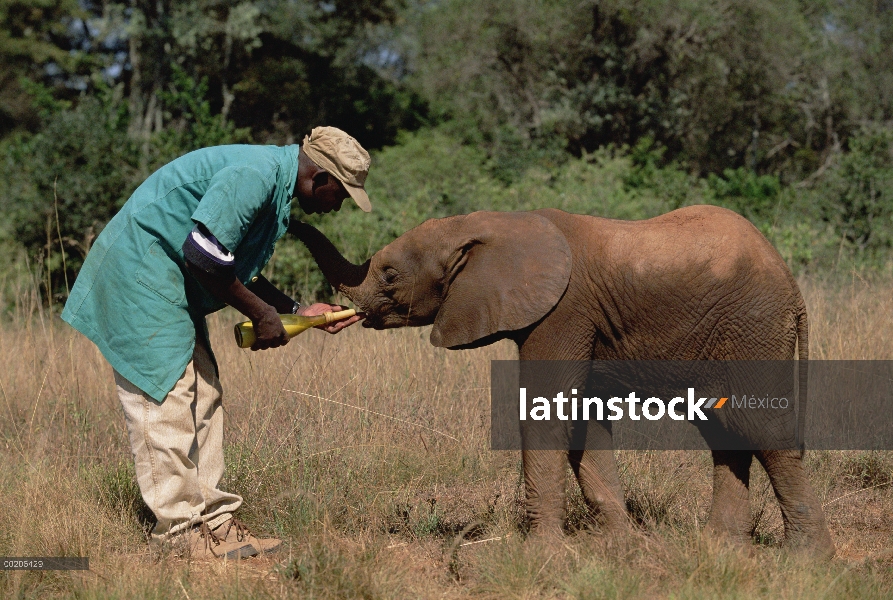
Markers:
(723, 233)
(703, 239)
(706, 282)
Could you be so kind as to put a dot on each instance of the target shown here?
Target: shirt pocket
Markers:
(160, 274)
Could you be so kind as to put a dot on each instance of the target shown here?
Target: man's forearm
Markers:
(235, 294)
(262, 304)
(267, 325)
(266, 291)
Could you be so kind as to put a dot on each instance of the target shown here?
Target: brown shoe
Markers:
(234, 532)
(231, 540)
(205, 545)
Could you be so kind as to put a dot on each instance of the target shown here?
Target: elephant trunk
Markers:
(342, 274)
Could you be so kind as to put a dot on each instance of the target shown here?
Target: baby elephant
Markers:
(697, 283)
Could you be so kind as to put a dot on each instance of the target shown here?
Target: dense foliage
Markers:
(779, 109)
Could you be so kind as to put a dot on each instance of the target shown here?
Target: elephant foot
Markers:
(721, 540)
(730, 523)
(546, 528)
(734, 536)
(814, 542)
(612, 519)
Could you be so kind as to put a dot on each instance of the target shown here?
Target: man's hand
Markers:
(321, 308)
(269, 331)
(261, 309)
(262, 304)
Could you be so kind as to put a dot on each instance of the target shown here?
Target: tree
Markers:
(35, 42)
(279, 67)
(768, 85)
(64, 183)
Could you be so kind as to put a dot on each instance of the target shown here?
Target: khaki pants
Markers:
(178, 449)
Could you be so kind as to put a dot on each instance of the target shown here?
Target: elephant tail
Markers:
(802, 373)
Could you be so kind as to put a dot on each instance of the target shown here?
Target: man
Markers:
(191, 239)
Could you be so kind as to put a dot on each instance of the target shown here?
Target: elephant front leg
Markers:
(597, 474)
(545, 441)
(730, 513)
(544, 485)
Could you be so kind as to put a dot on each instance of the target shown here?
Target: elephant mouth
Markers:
(384, 322)
(371, 322)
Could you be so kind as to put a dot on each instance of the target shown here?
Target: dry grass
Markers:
(386, 506)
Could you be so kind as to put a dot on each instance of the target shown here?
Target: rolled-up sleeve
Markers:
(202, 250)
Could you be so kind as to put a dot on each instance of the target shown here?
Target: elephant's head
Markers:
(472, 276)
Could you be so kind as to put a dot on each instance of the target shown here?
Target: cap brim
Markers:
(359, 196)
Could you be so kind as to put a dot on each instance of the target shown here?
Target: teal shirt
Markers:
(134, 297)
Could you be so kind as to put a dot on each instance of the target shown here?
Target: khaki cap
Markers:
(343, 157)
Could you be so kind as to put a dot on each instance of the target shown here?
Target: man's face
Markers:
(321, 194)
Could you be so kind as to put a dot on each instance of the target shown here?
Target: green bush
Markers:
(64, 183)
(857, 197)
(754, 196)
(192, 124)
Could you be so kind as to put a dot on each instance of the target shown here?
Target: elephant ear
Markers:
(508, 270)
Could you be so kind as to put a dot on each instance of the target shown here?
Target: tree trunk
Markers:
(148, 49)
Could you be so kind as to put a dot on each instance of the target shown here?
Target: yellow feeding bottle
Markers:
(293, 324)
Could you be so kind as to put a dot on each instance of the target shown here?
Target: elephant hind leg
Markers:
(804, 521)
(597, 474)
(730, 512)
